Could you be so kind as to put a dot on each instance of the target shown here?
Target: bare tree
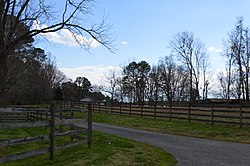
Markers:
(246, 61)
(223, 85)
(224, 82)
(112, 80)
(33, 77)
(120, 92)
(205, 72)
(20, 21)
(191, 51)
(237, 51)
(168, 68)
(52, 73)
(229, 71)
(173, 80)
(153, 84)
(237, 48)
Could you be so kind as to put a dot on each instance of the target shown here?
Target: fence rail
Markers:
(59, 114)
(235, 114)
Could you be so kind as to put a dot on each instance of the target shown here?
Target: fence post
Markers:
(71, 116)
(37, 115)
(120, 108)
(46, 117)
(130, 105)
(155, 110)
(212, 116)
(89, 125)
(30, 117)
(27, 116)
(41, 113)
(189, 112)
(142, 110)
(93, 103)
(52, 131)
(61, 116)
(240, 114)
(106, 107)
(170, 112)
(111, 106)
(82, 104)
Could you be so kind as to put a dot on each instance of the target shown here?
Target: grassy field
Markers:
(112, 150)
(106, 150)
(201, 130)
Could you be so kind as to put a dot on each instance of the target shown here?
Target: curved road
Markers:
(187, 150)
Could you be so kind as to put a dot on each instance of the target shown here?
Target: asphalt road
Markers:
(187, 150)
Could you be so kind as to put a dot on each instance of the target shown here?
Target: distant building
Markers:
(94, 96)
(217, 101)
(86, 99)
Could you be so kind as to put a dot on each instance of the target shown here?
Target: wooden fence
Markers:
(57, 114)
(235, 115)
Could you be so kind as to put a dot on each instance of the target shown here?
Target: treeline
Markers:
(80, 89)
(140, 82)
(27, 75)
(32, 77)
(182, 76)
(185, 75)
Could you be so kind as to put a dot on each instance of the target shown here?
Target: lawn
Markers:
(105, 150)
(193, 129)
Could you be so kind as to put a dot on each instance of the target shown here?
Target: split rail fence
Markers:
(59, 118)
(236, 114)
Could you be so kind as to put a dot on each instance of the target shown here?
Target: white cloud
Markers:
(124, 42)
(95, 74)
(66, 37)
(214, 49)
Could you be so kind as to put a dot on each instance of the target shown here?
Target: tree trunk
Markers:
(191, 87)
(229, 81)
(3, 73)
(204, 86)
(247, 86)
(197, 94)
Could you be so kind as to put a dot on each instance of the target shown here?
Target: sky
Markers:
(142, 30)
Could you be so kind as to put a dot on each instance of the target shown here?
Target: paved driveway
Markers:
(188, 151)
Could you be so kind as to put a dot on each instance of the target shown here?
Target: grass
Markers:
(105, 150)
(193, 129)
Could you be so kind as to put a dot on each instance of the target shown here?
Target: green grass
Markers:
(105, 150)
(201, 130)
(22, 132)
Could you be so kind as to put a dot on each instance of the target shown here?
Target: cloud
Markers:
(66, 37)
(95, 74)
(124, 42)
(214, 49)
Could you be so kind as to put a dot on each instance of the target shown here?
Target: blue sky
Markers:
(143, 29)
